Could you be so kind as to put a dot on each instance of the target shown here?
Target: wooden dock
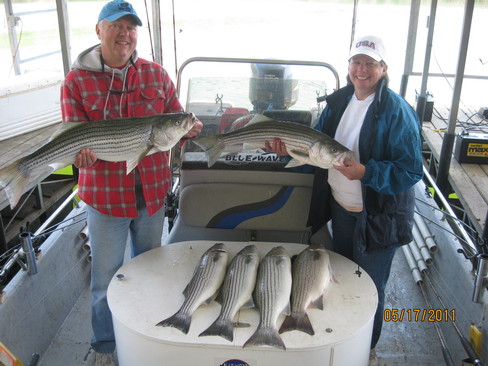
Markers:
(469, 181)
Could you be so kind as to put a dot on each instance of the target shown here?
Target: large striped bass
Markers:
(202, 288)
(311, 276)
(122, 139)
(236, 292)
(272, 297)
(303, 143)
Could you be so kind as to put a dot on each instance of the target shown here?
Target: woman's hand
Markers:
(352, 170)
(278, 147)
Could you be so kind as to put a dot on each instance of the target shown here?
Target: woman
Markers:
(370, 200)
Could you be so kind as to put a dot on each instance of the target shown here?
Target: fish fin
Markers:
(251, 147)
(265, 337)
(294, 163)
(249, 304)
(64, 126)
(14, 180)
(259, 118)
(287, 309)
(212, 297)
(300, 154)
(318, 303)
(221, 327)
(332, 277)
(211, 146)
(220, 298)
(299, 322)
(56, 166)
(131, 163)
(179, 321)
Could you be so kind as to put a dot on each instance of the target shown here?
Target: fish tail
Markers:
(211, 146)
(265, 337)
(299, 322)
(13, 182)
(222, 328)
(179, 321)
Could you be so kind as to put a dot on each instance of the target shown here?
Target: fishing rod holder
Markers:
(481, 277)
(29, 252)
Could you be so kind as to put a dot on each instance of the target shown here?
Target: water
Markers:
(290, 29)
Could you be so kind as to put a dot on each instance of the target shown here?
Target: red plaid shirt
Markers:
(84, 97)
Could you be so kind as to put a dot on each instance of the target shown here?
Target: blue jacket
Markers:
(390, 148)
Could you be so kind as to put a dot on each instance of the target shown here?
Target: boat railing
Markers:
(24, 255)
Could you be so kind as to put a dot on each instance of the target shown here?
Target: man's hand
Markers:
(196, 129)
(85, 158)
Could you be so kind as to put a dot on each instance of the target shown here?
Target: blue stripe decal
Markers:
(231, 218)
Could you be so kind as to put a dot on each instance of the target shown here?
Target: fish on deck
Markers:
(311, 275)
(272, 297)
(202, 288)
(236, 292)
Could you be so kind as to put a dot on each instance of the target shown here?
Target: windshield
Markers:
(226, 94)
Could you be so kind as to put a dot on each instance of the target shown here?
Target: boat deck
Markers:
(469, 181)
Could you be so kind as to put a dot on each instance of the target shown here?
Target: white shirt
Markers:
(348, 192)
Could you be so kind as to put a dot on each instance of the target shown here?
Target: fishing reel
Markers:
(480, 269)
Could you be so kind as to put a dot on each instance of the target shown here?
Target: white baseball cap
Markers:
(370, 46)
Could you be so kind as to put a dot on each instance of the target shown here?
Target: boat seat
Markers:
(244, 206)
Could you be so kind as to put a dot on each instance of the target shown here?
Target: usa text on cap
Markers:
(370, 46)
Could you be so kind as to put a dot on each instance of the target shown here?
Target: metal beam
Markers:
(410, 49)
(64, 35)
(12, 20)
(449, 136)
(422, 97)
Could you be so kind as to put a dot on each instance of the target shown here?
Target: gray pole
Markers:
(449, 136)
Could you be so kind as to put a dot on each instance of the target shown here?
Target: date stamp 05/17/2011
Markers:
(419, 315)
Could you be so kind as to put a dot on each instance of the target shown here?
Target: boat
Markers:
(434, 311)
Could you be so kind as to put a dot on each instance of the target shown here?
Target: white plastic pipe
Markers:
(426, 234)
(412, 265)
(84, 233)
(419, 241)
(86, 246)
(417, 256)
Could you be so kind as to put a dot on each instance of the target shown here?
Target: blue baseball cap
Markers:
(116, 9)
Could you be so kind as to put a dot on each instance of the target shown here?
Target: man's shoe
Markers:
(104, 359)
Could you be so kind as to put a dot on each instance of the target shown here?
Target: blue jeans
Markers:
(377, 264)
(108, 238)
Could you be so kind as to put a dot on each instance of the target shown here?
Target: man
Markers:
(110, 81)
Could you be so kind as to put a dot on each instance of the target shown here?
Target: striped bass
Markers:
(303, 143)
(311, 276)
(272, 297)
(122, 139)
(236, 292)
(202, 288)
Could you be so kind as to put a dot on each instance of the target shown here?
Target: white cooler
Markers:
(151, 290)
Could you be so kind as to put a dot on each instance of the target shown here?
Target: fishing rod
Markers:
(445, 349)
(448, 208)
(473, 233)
(473, 357)
(149, 29)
